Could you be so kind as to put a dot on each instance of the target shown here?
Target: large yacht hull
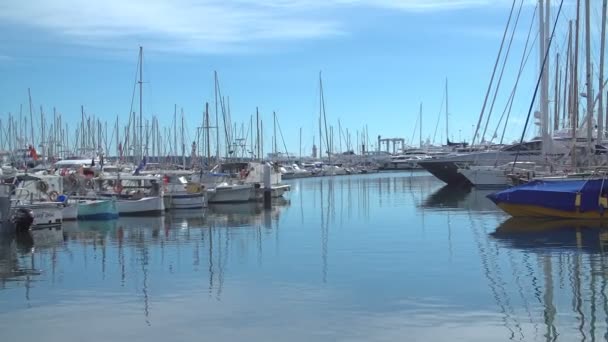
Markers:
(446, 171)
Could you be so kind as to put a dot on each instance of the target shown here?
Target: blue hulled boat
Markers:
(568, 198)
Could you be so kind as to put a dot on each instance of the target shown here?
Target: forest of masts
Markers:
(217, 136)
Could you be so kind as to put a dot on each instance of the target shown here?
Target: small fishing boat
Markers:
(564, 198)
(134, 194)
(230, 193)
(97, 209)
(178, 193)
(145, 206)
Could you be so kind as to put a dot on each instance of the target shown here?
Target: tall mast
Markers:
(217, 121)
(543, 100)
(274, 133)
(82, 129)
(183, 142)
(566, 77)
(589, 77)
(447, 132)
(42, 134)
(208, 140)
(420, 124)
(257, 134)
(29, 95)
(300, 143)
(117, 138)
(141, 93)
(556, 95)
(574, 74)
(174, 149)
(600, 111)
(320, 117)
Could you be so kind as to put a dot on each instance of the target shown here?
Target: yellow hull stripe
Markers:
(520, 210)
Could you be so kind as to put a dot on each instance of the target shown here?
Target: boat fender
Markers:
(53, 195)
(577, 200)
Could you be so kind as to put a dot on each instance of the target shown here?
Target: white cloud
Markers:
(198, 25)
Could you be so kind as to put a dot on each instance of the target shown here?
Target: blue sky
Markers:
(379, 60)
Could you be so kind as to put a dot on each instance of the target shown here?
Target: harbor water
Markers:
(376, 257)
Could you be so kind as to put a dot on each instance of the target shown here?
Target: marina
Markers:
(346, 171)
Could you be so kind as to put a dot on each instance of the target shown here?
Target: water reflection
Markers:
(359, 258)
(462, 198)
(566, 262)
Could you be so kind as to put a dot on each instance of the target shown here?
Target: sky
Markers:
(379, 61)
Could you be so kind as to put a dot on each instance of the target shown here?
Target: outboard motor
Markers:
(23, 219)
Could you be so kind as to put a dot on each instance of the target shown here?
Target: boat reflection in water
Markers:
(17, 262)
(564, 266)
(459, 197)
(228, 215)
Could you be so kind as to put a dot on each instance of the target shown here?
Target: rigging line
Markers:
(524, 60)
(283, 139)
(540, 76)
(485, 101)
(502, 70)
(439, 117)
(132, 101)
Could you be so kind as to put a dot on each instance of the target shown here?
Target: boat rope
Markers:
(502, 71)
(485, 101)
(439, 118)
(540, 76)
(524, 60)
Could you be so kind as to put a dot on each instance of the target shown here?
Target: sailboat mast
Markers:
(420, 124)
(575, 91)
(274, 134)
(174, 149)
(183, 142)
(141, 93)
(207, 135)
(320, 118)
(447, 127)
(556, 95)
(29, 95)
(600, 111)
(257, 134)
(589, 77)
(217, 121)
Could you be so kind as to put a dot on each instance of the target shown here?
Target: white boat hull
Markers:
(276, 191)
(70, 212)
(143, 206)
(45, 215)
(229, 194)
(184, 201)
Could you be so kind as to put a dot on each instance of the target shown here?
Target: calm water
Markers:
(383, 257)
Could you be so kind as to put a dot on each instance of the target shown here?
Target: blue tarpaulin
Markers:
(555, 194)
